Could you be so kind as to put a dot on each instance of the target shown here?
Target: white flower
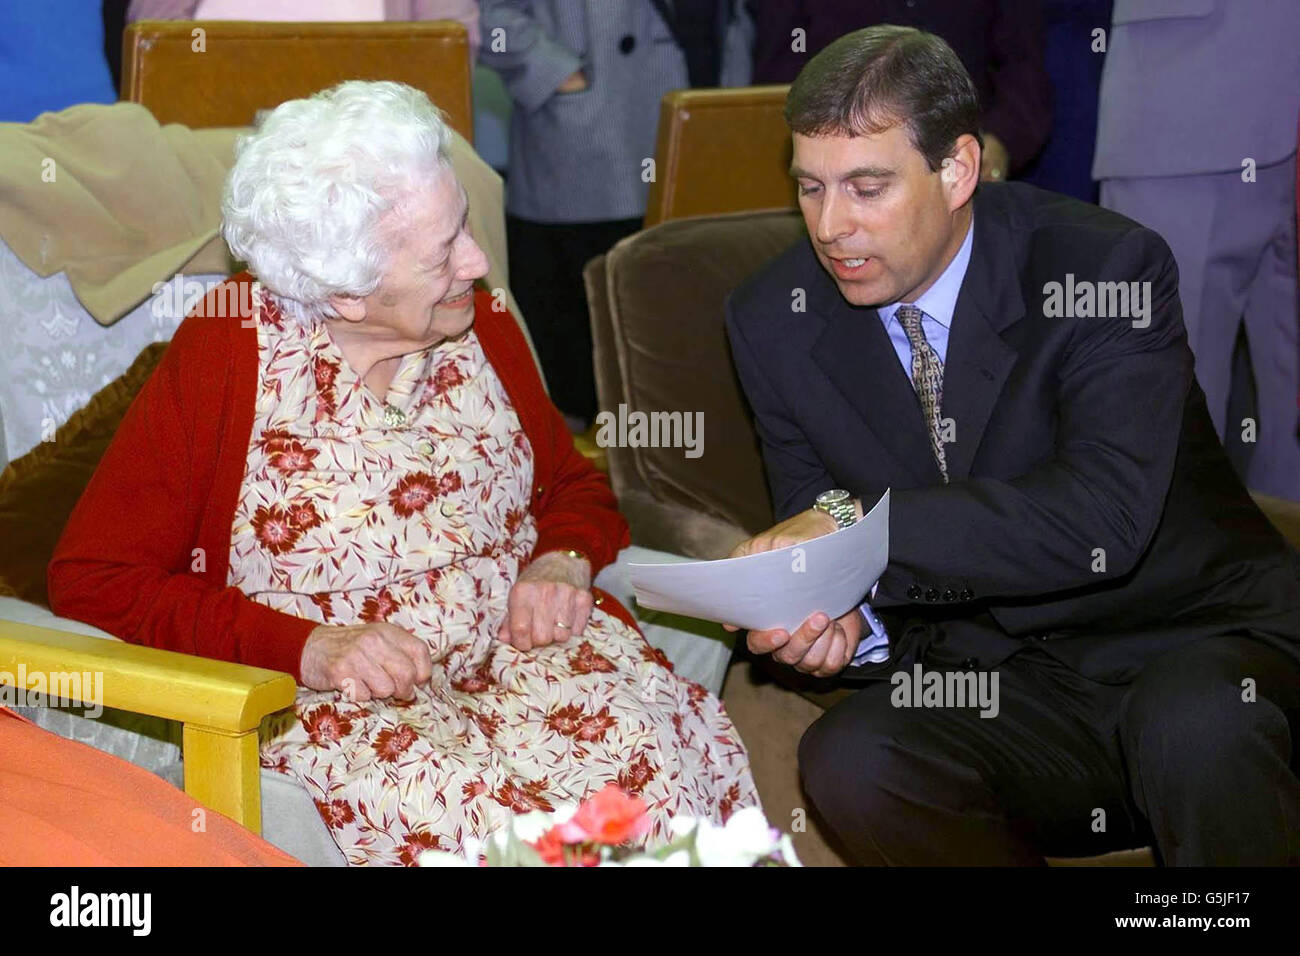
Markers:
(679, 858)
(787, 851)
(441, 858)
(529, 827)
(680, 826)
(744, 840)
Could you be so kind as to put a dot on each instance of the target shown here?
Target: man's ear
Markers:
(960, 171)
(348, 307)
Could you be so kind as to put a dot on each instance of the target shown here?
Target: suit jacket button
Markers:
(970, 663)
(914, 593)
(967, 594)
(932, 594)
(950, 595)
(627, 44)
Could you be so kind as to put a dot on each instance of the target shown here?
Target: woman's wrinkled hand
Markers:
(550, 602)
(365, 661)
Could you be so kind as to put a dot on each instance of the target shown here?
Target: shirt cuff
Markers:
(875, 648)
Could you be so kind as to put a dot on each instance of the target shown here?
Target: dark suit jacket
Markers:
(1000, 42)
(1072, 434)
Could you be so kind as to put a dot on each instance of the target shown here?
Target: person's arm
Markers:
(126, 561)
(532, 64)
(1020, 113)
(1119, 415)
(795, 472)
(577, 509)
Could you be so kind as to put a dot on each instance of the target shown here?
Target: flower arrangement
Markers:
(604, 830)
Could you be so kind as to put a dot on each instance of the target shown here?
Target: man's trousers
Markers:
(1196, 755)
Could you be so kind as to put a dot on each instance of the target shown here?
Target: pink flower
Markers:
(610, 817)
(551, 848)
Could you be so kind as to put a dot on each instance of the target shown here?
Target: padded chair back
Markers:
(224, 75)
(656, 303)
(723, 150)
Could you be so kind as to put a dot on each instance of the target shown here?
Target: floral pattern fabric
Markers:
(414, 510)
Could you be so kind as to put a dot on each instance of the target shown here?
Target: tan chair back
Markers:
(225, 74)
(660, 346)
(718, 151)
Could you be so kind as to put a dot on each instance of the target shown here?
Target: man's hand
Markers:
(575, 82)
(995, 161)
(365, 661)
(550, 602)
(820, 647)
(802, 527)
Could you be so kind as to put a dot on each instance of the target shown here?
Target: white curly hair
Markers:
(304, 198)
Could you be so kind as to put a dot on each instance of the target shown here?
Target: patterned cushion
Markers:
(40, 489)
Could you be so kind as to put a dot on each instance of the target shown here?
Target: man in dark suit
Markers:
(1064, 524)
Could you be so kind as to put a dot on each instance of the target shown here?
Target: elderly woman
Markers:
(360, 480)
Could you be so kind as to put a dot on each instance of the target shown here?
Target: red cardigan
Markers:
(146, 551)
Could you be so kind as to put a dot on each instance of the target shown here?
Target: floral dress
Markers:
(414, 510)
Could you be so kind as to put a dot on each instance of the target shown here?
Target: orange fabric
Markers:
(65, 804)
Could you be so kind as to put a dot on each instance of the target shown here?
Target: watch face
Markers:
(832, 497)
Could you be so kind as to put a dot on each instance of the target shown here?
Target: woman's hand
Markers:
(365, 661)
(549, 603)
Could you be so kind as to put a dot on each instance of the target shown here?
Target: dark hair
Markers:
(872, 79)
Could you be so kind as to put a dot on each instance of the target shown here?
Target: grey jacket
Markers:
(1197, 86)
(580, 157)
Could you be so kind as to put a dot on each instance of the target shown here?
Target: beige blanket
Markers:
(106, 195)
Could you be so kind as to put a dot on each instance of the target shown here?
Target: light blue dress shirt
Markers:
(937, 305)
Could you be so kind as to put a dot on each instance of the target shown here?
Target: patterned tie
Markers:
(927, 379)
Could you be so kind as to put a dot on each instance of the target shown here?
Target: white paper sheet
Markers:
(774, 589)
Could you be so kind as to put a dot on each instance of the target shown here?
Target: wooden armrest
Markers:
(220, 704)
